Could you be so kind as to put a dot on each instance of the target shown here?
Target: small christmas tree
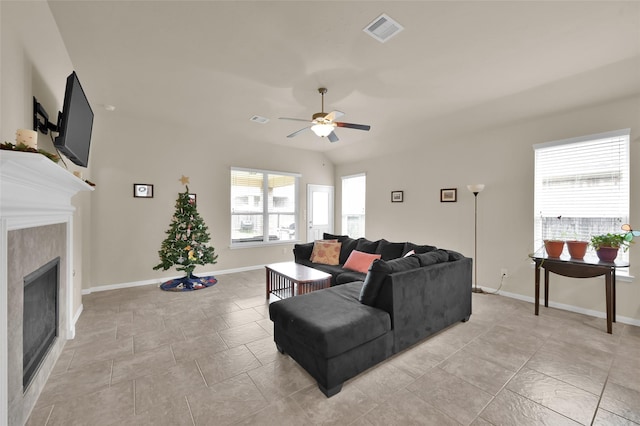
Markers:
(186, 246)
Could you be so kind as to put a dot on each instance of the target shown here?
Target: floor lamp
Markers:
(475, 188)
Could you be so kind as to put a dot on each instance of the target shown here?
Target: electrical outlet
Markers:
(504, 273)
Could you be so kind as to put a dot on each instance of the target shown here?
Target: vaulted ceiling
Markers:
(457, 66)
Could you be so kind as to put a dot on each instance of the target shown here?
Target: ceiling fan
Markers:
(323, 124)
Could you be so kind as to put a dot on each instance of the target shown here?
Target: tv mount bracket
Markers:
(41, 119)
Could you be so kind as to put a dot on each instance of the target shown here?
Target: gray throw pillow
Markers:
(378, 272)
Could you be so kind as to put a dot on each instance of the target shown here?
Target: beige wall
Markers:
(503, 160)
(34, 62)
(127, 232)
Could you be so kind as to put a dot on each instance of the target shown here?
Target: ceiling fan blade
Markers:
(353, 126)
(294, 119)
(299, 131)
(333, 115)
(332, 137)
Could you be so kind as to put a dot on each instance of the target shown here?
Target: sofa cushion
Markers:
(359, 261)
(432, 257)
(454, 255)
(326, 252)
(340, 238)
(390, 250)
(348, 245)
(417, 249)
(367, 246)
(330, 321)
(347, 276)
(403, 264)
(302, 251)
(375, 277)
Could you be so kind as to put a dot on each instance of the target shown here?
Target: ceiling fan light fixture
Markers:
(322, 130)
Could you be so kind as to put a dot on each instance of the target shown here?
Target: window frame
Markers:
(344, 215)
(625, 186)
(265, 213)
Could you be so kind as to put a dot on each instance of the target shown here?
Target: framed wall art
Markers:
(397, 196)
(449, 195)
(142, 190)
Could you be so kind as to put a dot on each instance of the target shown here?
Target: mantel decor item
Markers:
(142, 190)
(24, 148)
(449, 195)
(397, 196)
(475, 189)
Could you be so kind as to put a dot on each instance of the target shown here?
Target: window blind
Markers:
(581, 186)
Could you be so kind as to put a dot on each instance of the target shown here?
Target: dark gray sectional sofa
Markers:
(341, 331)
(340, 275)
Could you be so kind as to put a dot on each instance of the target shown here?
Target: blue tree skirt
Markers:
(189, 283)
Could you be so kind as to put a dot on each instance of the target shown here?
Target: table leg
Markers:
(546, 288)
(608, 293)
(268, 280)
(537, 288)
(613, 294)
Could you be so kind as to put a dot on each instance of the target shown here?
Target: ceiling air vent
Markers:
(383, 28)
(259, 119)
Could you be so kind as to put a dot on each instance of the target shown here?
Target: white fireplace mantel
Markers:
(34, 191)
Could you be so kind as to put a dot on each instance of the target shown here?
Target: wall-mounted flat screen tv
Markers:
(75, 123)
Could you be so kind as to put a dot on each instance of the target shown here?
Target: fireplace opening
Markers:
(40, 317)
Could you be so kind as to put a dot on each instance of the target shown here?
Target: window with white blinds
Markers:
(264, 207)
(582, 187)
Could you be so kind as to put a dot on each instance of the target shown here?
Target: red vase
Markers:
(607, 254)
(553, 247)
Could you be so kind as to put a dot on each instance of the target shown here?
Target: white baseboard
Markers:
(564, 307)
(159, 281)
(74, 320)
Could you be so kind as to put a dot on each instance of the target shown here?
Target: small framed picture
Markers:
(192, 199)
(449, 195)
(397, 196)
(142, 190)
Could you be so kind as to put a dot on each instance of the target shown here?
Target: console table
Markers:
(588, 268)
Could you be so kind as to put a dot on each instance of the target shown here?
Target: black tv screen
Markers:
(75, 123)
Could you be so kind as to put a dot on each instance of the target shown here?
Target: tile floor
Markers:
(147, 357)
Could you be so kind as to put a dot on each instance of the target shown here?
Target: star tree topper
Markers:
(184, 179)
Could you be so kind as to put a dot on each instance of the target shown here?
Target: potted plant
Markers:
(554, 246)
(577, 249)
(607, 245)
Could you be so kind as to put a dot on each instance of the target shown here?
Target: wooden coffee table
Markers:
(289, 279)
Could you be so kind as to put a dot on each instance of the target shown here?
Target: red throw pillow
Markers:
(359, 261)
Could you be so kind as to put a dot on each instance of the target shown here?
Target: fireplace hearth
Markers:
(40, 317)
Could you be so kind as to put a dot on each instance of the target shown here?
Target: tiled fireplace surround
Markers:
(36, 222)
